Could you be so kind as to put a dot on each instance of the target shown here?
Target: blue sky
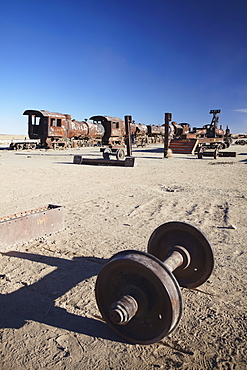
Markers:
(130, 57)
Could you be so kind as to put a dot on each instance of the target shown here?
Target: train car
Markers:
(155, 134)
(210, 136)
(139, 134)
(54, 130)
(114, 130)
(60, 130)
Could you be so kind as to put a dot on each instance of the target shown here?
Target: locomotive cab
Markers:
(43, 125)
(37, 125)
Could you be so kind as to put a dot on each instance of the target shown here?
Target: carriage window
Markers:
(34, 120)
(56, 122)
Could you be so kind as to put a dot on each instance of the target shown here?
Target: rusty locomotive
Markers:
(54, 130)
(184, 139)
(115, 133)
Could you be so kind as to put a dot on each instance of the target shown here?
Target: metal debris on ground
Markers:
(138, 293)
(128, 162)
(25, 226)
(220, 163)
(167, 188)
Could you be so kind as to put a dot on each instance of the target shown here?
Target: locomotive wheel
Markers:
(216, 153)
(222, 146)
(107, 152)
(19, 146)
(137, 287)
(192, 244)
(69, 144)
(200, 153)
(120, 154)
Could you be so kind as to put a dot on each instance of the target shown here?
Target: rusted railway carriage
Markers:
(183, 139)
(55, 130)
(115, 131)
(60, 130)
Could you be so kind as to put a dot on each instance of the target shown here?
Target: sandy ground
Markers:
(7, 138)
(49, 316)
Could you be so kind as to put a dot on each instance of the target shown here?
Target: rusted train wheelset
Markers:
(138, 293)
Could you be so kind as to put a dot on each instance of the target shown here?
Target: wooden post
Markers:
(128, 120)
(168, 118)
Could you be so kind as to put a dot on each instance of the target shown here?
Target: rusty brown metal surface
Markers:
(183, 146)
(128, 120)
(128, 162)
(114, 129)
(23, 227)
(57, 130)
(168, 118)
(194, 246)
(155, 305)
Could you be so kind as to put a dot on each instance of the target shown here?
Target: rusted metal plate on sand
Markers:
(23, 227)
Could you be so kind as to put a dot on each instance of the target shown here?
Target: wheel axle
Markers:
(138, 293)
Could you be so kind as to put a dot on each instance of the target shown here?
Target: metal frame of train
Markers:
(55, 130)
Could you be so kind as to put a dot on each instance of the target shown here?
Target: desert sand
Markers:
(49, 316)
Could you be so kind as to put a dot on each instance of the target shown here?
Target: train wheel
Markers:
(107, 152)
(200, 153)
(216, 153)
(120, 154)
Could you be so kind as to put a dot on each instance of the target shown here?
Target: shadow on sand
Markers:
(37, 301)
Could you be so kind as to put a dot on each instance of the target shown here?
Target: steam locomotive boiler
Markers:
(115, 131)
(60, 130)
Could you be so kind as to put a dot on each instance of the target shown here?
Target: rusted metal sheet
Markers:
(128, 162)
(207, 140)
(23, 227)
(183, 146)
